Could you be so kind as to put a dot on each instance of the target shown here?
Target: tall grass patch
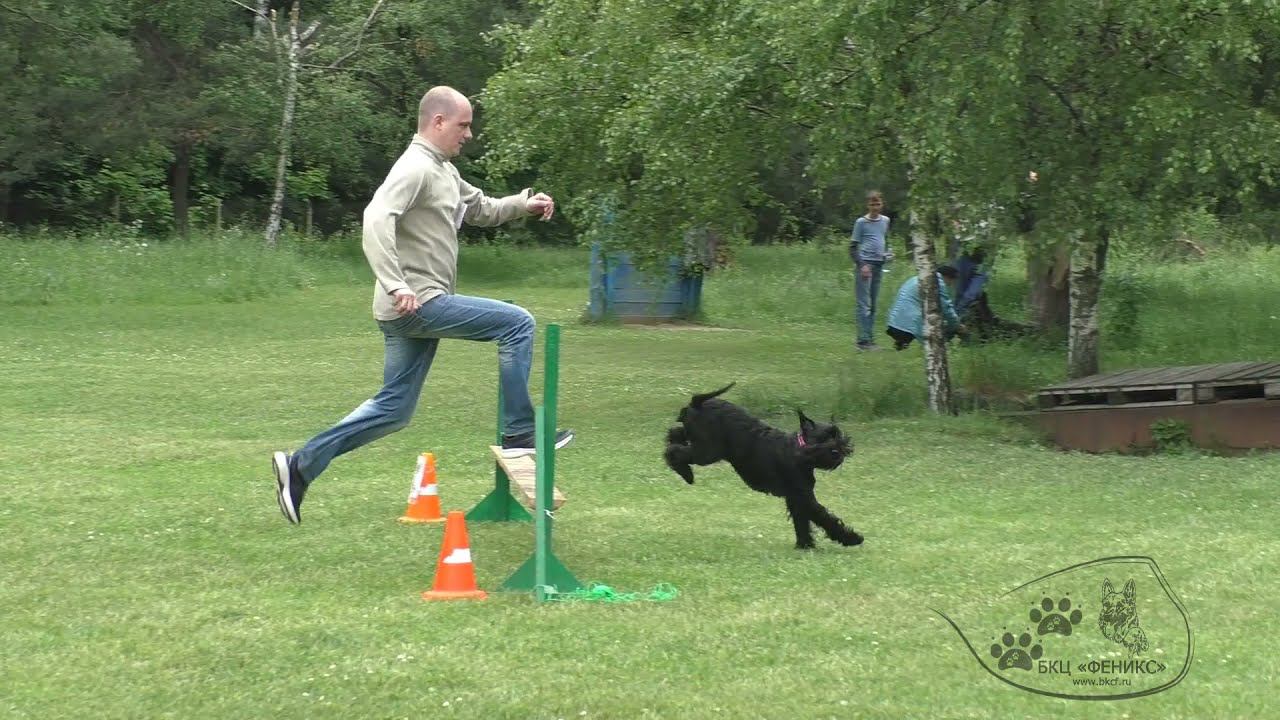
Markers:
(118, 265)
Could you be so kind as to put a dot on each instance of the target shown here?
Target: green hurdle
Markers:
(534, 479)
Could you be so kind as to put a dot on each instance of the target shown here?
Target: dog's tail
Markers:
(699, 399)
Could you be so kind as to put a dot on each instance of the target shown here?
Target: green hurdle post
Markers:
(542, 504)
(499, 505)
(543, 568)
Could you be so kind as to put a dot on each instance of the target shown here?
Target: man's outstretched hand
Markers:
(541, 204)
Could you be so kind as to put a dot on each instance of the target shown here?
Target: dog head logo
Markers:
(822, 445)
(1056, 636)
(1118, 618)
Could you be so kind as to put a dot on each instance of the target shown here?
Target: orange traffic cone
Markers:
(424, 495)
(455, 575)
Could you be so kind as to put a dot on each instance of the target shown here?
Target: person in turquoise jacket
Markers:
(906, 317)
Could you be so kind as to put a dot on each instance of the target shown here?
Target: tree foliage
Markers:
(661, 117)
(137, 110)
(760, 119)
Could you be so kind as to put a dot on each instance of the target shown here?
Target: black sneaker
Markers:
(514, 446)
(289, 486)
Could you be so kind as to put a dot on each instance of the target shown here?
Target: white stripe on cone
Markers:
(417, 477)
(432, 489)
(459, 556)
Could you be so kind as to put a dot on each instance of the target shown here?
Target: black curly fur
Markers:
(767, 459)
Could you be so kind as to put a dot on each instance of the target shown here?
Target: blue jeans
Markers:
(411, 342)
(867, 291)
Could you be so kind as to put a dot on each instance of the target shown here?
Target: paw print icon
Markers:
(1014, 653)
(1056, 618)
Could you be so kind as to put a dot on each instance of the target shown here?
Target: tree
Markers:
(289, 65)
(295, 48)
(1125, 96)
(660, 117)
(64, 97)
(668, 113)
(175, 40)
(108, 101)
(358, 54)
(937, 369)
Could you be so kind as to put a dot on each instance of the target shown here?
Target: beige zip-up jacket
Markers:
(411, 225)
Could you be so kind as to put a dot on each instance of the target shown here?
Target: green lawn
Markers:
(147, 572)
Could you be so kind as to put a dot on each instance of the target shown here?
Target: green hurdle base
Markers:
(525, 577)
(499, 506)
(543, 568)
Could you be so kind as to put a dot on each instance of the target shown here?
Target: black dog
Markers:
(768, 460)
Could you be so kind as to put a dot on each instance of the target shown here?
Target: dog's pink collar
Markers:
(800, 439)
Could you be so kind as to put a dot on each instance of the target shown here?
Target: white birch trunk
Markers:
(294, 60)
(937, 372)
(260, 22)
(1087, 259)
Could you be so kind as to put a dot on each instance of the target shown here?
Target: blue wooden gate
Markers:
(619, 290)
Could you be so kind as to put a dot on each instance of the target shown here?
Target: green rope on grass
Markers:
(599, 592)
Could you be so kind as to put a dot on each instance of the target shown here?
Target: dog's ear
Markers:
(1130, 590)
(806, 425)
(1107, 589)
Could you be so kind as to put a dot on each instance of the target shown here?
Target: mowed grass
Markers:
(147, 572)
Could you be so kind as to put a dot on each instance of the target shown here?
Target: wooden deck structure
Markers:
(1193, 384)
(1228, 406)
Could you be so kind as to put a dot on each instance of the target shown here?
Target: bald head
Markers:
(440, 100)
(444, 119)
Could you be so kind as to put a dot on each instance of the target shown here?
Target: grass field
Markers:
(147, 572)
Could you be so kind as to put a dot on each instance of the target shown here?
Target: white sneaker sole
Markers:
(522, 452)
(280, 465)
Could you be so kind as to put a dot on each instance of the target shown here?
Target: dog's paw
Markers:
(852, 540)
(685, 472)
(678, 463)
(804, 544)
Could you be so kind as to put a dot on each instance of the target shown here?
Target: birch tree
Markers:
(289, 67)
(1134, 116)
(937, 368)
(292, 48)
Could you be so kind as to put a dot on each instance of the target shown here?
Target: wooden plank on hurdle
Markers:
(523, 472)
